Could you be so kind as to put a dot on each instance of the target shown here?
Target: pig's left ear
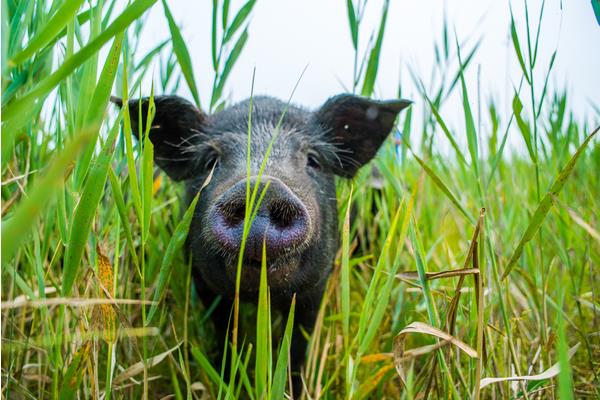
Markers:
(176, 127)
(357, 126)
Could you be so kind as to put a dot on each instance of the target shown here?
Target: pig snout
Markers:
(282, 221)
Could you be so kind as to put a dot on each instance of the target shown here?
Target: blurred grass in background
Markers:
(456, 269)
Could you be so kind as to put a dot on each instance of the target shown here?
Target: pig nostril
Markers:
(233, 213)
(282, 214)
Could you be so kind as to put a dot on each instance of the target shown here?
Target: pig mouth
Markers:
(280, 271)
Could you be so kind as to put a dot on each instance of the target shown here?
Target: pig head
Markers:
(297, 217)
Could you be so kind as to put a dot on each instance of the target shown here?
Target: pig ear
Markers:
(357, 126)
(175, 127)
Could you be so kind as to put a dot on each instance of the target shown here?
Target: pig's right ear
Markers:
(356, 126)
(175, 127)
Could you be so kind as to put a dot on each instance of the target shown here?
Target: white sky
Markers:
(285, 36)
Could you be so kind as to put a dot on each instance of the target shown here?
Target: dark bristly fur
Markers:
(312, 147)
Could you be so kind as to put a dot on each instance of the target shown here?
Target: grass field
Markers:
(463, 264)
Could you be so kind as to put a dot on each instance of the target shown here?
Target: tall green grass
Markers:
(471, 274)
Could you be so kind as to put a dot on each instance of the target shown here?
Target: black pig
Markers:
(297, 218)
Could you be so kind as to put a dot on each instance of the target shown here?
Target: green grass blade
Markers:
(231, 60)
(345, 272)
(97, 107)
(446, 131)
(130, 14)
(280, 374)
(565, 379)
(206, 366)
(383, 299)
(120, 202)
(374, 56)
(55, 25)
(442, 186)
(469, 121)
(84, 212)
(182, 53)
(353, 23)
(134, 186)
(524, 128)
(545, 204)
(173, 249)
(238, 20)
(596, 7)
(373, 290)
(517, 46)
(147, 170)
(262, 331)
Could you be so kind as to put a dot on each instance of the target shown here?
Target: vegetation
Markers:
(456, 269)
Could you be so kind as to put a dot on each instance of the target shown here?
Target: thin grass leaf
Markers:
(213, 36)
(372, 291)
(353, 23)
(16, 228)
(517, 46)
(97, 107)
(127, 132)
(84, 212)
(524, 128)
(182, 53)
(596, 8)
(120, 202)
(373, 65)
(229, 63)
(262, 330)
(173, 249)
(463, 66)
(383, 298)
(206, 366)
(59, 20)
(446, 131)
(565, 379)
(545, 204)
(442, 186)
(280, 374)
(345, 272)
(238, 20)
(469, 121)
(147, 169)
(224, 14)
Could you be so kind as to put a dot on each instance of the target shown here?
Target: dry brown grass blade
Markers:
(401, 355)
(106, 320)
(69, 301)
(367, 387)
(138, 367)
(120, 314)
(373, 358)
(414, 275)
(547, 374)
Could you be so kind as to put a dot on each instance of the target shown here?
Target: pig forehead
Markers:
(287, 141)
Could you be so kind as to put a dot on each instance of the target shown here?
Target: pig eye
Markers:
(211, 160)
(312, 161)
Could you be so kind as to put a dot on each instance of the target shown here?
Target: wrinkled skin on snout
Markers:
(297, 217)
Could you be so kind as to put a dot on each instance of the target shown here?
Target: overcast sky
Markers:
(286, 36)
